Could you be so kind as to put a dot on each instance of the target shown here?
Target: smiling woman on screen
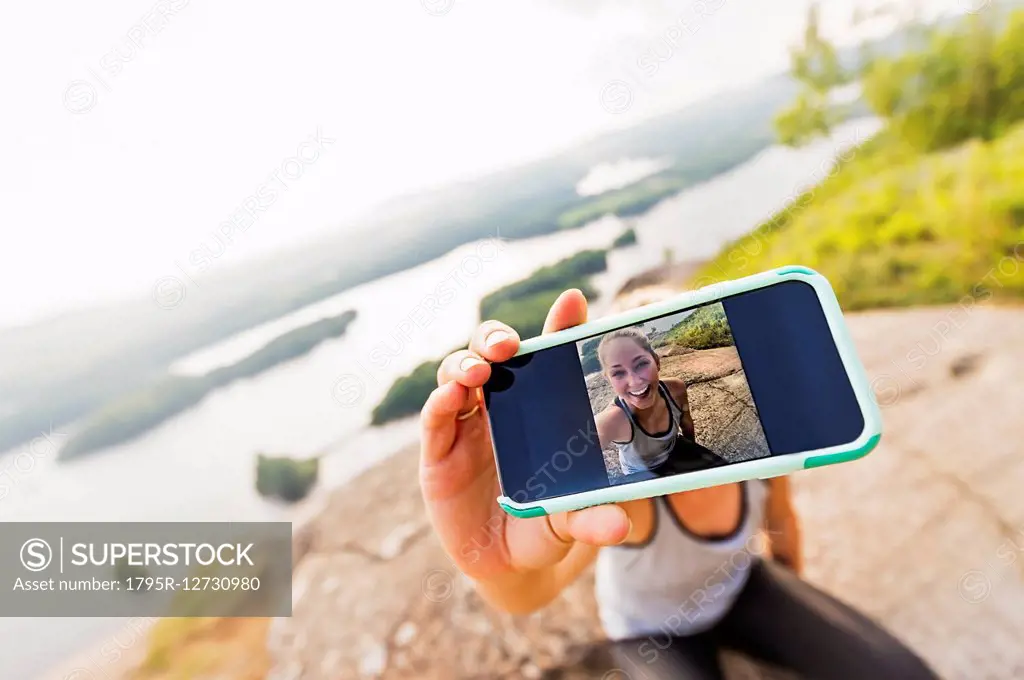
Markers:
(649, 421)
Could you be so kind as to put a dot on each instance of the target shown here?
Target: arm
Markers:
(612, 425)
(677, 388)
(783, 525)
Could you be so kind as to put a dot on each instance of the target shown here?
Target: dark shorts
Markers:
(688, 456)
(779, 620)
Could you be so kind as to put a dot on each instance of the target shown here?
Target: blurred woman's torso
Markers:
(693, 557)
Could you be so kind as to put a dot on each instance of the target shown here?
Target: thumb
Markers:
(570, 309)
(599, 525)
(539, 542)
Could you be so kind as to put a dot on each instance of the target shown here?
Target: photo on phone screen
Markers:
(670, 396)
(753, 375)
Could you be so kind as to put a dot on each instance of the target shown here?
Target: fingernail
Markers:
(495, 337)
(629, 531)
(468, 363)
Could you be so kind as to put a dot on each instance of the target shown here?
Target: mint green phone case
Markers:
(763, 468)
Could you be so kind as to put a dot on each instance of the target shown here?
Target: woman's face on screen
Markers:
(631, 371)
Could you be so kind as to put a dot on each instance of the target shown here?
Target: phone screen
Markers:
(753, 375)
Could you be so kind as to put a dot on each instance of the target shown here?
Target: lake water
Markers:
(199, 466)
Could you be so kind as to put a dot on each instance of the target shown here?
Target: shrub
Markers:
(706, 328)
(289, 479)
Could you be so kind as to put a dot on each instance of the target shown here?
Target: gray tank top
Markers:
(646, 451)
(678, 583)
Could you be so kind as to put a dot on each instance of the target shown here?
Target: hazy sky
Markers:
(132, 130)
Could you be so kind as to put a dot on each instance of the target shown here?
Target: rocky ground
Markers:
(675, 275)
(926, 534)
(724, 417)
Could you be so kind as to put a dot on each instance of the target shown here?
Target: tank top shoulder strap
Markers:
(629, 417)
(625, 409)
(673, 408)
(758, 490)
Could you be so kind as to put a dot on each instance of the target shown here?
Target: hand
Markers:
(459, 480)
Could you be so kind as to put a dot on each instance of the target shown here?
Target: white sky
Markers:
(97, 205)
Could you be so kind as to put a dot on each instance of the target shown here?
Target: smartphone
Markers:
(746, 379)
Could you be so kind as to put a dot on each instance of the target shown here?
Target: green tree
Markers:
(949, 90)
(950, 82)
(815, 65)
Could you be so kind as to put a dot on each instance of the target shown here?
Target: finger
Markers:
(437, 421)
(570, 309)
(495, 341)
(600, 525)
(464, 367)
